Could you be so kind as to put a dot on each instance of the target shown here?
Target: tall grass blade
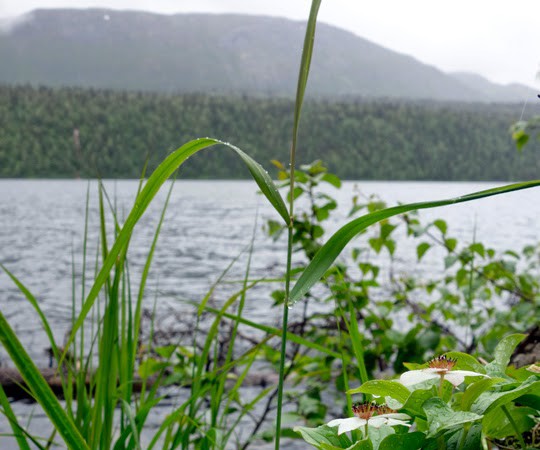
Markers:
(40, 389)
(305, 63)
(333, 247)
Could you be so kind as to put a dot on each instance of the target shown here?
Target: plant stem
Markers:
(514, 426)
(305, 63)
(463, 437)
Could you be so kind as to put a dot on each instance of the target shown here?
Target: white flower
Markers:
(441, 368)
(369, 414)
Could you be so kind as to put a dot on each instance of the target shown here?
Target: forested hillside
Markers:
(358, 139)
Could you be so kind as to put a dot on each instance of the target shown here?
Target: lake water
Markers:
(207, 224)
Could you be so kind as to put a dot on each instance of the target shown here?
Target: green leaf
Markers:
(497, 426)
(421, 250)
(441, 417)
(328, 253)
(332, 179)
(408, 441)
(473, 439)
(377, 435)
(504, 394)
(414, 404)
(475, 390)
(441, 225)
(450, 244)
(364, 444)
(465, 361)
(384, 388)
(323, 435)
(505, 348)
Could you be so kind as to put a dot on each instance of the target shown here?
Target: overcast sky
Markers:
(494, 38)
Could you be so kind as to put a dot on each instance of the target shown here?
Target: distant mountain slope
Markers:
(507, 92)
(215, 53)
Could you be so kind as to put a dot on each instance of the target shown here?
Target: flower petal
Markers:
(456, 377)
(377, 421)
(389, 419)
(416, 376)
(348, 424)
(398, 416)
(393, 422)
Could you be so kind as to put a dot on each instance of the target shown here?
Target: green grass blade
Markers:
(333, 247)
(305, 63)
(151, 188)
(276, 332)
(40, 389)
(35, 305)
(17, 429)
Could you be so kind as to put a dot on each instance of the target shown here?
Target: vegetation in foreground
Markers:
(455, 400)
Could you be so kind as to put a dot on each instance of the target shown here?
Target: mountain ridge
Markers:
(220, 53)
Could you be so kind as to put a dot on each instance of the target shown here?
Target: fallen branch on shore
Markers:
(15, 387)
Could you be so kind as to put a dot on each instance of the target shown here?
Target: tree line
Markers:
(72, 132)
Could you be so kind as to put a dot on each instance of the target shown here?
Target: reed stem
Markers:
(305, 63)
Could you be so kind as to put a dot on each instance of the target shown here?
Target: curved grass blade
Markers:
(333, 247)
(151, 188)
(12, 418)
(40, 389)
(277, 332)
(32, 300)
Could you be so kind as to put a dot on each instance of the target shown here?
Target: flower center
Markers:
(442, 363)
(383, 409)
(365, 410)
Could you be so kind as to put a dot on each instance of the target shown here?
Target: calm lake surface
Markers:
(207, 225)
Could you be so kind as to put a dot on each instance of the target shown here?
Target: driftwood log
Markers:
(15, 387)
(526, 353)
